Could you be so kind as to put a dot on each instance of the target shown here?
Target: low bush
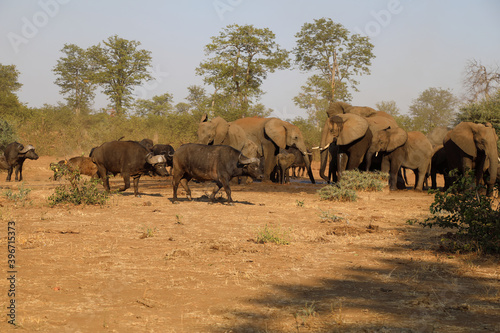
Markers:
(474, 216)
(352, 181)
(79, 191)
(273, 235)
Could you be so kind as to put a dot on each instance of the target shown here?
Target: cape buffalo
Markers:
(15, 154)
(166, 150)
(130, 159)
(214, 162)
(83, 165)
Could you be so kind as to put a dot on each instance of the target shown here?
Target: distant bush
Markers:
(273, 235)
(462, 208)
(7, 134)
(352, 181)
(78, 191)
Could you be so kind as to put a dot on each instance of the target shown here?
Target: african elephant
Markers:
(284, 161)
(387, 136)
(219, 132)
(414, 154)
(379, 120)
(468, 146)
(436, 135)
(271, 134)
(348, 138)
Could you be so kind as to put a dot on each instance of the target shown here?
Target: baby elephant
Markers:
(284, 160)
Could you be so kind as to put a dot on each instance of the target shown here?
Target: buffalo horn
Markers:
(26, 149)
(245, 160)
(155, 159)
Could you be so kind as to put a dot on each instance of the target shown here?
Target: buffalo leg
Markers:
(126, 180)
(184, 183)
(19, 172)
(225, 184)
(216, 189)
(9, 173)
(136, 186)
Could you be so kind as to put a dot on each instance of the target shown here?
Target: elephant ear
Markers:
(363, 111)
(221, 129)
(397, 138)
(354, 127)
(462, 135)
(275, 129)
(379, 123)
(204, 118)
(337, 108)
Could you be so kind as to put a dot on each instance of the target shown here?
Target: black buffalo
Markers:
(128, 158)
(167, 151)
(217, 163)
(14, 156)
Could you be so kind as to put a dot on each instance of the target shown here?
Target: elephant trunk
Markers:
(308, 166)
(324, 152)
(493, 171)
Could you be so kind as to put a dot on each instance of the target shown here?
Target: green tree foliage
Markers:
(9, 84)
(74, 77)
(434, 107)
(474, 217)
(7, 134)
(315, 97)
(334, 52)
(241, 58)
(158, 105)
(118, 67)
(404, 121)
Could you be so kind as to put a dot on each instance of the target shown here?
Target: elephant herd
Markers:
(361, 137)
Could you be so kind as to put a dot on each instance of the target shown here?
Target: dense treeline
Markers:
(238, 61)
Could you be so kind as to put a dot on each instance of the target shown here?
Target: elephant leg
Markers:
(269, 160)
(342, 160)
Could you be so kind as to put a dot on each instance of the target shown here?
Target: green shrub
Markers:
(471, 214)
(20, 197)
(273, 235)
(79, 191)
(335, 192)
(352, 181)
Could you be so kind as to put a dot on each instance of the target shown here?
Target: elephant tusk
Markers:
(325, 147)
(315, 147)
(376, 154)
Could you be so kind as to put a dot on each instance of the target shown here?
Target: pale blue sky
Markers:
(418, 44)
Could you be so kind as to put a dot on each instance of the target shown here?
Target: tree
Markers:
(75, 77)
(119, 66)
(404, 121)
(9, 84)
(334, 52)
(157, 106)
(242, 57)
(480, 81)
(434, 107)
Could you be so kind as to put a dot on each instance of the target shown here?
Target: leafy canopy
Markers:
(118, 67)
(434, 107)
(330, 49)
(74, 77)
(241, 58)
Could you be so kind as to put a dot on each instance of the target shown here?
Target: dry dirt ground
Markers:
(91, 268)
